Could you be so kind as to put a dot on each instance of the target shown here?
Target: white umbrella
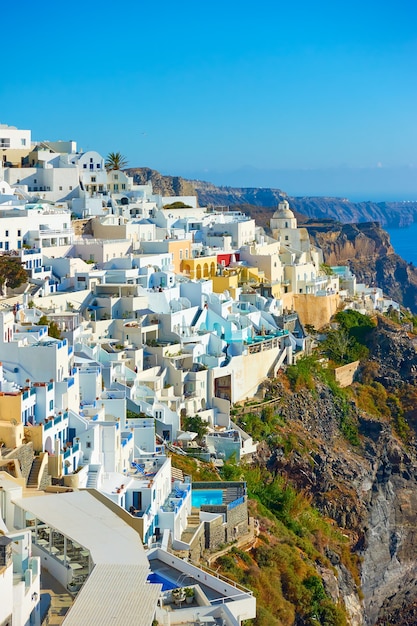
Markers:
(187, 436)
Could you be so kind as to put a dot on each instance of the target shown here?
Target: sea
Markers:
(404, 242)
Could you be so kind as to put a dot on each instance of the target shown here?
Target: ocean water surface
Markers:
(404, 242)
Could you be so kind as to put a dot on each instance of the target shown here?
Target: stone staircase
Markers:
(193, 522)
(33, 478)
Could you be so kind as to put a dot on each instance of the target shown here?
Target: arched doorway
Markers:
(49, 445)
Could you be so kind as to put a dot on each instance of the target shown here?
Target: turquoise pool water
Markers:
(206, 496)
(157, 578)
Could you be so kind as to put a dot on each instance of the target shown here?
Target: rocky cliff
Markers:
(392, 214)
(389, 214)
(164, 185)
(368, 489)
(366, 248)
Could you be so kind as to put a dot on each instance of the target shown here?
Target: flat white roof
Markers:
(115, 595)
(84, 519)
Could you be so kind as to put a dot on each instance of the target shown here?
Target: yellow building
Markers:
(200, 267)
(181, 252)
(11, 406)
(227, 282)
(11, 426)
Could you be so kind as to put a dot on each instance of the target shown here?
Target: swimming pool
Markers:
(206, 496)
(157, 578)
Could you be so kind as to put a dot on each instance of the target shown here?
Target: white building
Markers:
(34, 225)
(92, 173)
(19, 569)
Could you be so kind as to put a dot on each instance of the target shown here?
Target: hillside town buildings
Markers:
(164, 311)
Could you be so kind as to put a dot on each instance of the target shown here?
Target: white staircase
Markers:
(93, 476)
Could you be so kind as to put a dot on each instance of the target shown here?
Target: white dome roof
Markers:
(284, 211)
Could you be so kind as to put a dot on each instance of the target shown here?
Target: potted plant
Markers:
(189, 594)
(178, 595)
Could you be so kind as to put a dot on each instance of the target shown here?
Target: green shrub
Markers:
(302, 373)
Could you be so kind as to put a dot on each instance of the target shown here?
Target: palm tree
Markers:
(115, 161)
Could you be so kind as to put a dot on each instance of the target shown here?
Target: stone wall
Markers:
(45, 479)
(236, 524)
(198, 545)
(215, 533)
(25, 455)
(237, 521)
(316, 310)
(345, 374)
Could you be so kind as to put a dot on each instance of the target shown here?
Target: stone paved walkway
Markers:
(61, 600)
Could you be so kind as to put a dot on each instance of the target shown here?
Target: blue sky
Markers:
(314, 95)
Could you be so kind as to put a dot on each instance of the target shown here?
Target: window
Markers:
(51, 405)
(98, 166)
(88, 444)
(70, 187)
(7, 233)
(116, 176)
(35, 180)
(123, 186)
(19, 233)
(85, 166)
(186, 253)
(23, 142)
(91, 160)
(1, 244)
(116, 187)
(180, 255)
(93, 179)
(60, 188)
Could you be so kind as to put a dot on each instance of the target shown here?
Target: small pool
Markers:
(206, 496)
(157, 578)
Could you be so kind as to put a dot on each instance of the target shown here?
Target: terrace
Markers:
(64, 551)
(259, 343)
(176, 499)
(216, 600)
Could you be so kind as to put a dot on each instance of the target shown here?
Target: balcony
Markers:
(48, 231)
